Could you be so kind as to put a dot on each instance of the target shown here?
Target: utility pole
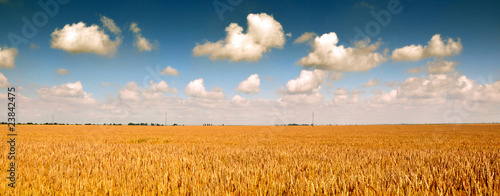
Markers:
(52, 118)
(166, 114)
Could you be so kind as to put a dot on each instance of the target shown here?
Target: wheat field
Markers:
(255, 160)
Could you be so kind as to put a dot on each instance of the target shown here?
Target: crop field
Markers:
(255, 160)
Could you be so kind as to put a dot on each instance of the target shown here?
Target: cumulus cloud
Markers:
(343, 96)
(3, 81)
(70, 92)
(240, 101)
(305, 37)
(170, 71)
(62, 71)
(304, 90)
(79, 38)
(371, 83)
(196, 88)
(130, 92)
(140, 42)
(436, 48)
(110, 24)
(312, 98)
(435, 85)
(156, 89)
(7, 57)
(307, 81)
(263, 34)
(327, 55)
(441, 67)
(383, 98)
(250, 85)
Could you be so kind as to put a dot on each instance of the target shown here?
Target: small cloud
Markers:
(196, 88)
(416, 70)
(263, 34)
(391, 84)
(141, 42)
(436, 48)
(62, 71)
(336, 76)
(34, 46)
(3, 81)
(80, 38)
(327, 55)
(441, 67)
(170, 71)
(105, 84)
(305, 37)
(130, 92)
(250, 85)
(109, 24)
(371, 83)
(7, 57)
(307, 82)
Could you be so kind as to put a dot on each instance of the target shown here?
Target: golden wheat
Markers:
(250, 160)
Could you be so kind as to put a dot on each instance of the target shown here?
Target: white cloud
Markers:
(343, 96)
(436, 48)
(72, 92)
(196, 88)
(109, 24)
(130, 92)
(440, 67)
(371, 83)
(336, 76)
(304, 90)
(140, 42)
(78, 38)
(7, 57)
(156, 89)
(263, 34)
(309, 99)
(386, 98)
(416, 70)
(170, 71)
(250, 85)
(3, 81)
(307, 81)
(240, 101)
(62, 71)
(327, 55)
(448, 87)
(305, 37)
(426, 87)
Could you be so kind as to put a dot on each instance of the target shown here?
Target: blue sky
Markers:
(465, 74)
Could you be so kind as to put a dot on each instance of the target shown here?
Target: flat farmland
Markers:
(255, 160)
